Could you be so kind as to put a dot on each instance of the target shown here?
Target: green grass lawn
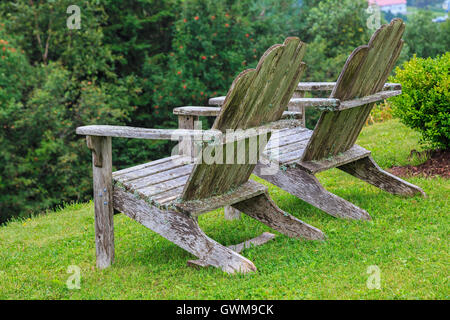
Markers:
(407, 239)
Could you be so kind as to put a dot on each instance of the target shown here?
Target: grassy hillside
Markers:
(407, 240)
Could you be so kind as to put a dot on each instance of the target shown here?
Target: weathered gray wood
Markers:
(354, 153)
(186, 145)
(248, 190)
(143, 133)
(263, 209)
(260, 240)
(329, 86)
(103, 200)
(294, 102)
(368, 170)
(215, 111)
(152, 170)
(364, 73)
(302, 110)
(257, 96)
(158, 195)
(305, 186)
(197, 111)
(183, 231)
(147, 165)
(330, 103)
(231, 213)
(369, 99)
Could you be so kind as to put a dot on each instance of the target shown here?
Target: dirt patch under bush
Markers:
(438, 164)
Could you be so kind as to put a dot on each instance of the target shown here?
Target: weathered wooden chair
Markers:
(168, 194)
(301, 153)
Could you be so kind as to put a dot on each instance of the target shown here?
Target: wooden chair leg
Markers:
(232, 213)
(306, 187)
(103, 199)
(368, 170)
(262, 208)
(182, 230)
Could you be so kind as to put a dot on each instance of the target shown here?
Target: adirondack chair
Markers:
(168, 194)
(301, 153)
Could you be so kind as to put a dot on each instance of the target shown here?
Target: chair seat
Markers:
(161, 181)
(288, 145)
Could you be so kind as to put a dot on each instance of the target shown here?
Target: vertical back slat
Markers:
(257, 96)
(364, 73)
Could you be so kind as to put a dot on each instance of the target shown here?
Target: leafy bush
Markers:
(425, 102)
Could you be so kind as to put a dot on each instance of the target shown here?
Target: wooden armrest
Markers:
(329, 86)
(214, 112)
(176, 134)
(331, 104)
(369, 99)
(197, 111)
(143, 133)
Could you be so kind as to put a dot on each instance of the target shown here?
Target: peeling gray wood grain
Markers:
(366, 169)
(305, 186)
(263, 209)
(364, 73)
(103, 200)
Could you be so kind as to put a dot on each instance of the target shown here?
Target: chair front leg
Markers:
(103, 199)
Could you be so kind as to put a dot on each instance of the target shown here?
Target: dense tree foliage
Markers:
(131, 63)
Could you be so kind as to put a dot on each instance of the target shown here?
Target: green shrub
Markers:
(425, 102)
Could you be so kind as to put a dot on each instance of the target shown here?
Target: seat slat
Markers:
(151, 170)
(246, 191)
(280, 142)
(160, 177)
(145, 165)
(156, 189)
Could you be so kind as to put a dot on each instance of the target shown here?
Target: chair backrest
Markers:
(256, 97)
(364, 73)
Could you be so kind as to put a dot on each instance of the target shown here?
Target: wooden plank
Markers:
(197, 111)
(257, 96)
(143, 133)
(306, 187)
(183, 231)
(260, 240)
(215, 111)
(302, 110)
(329, 86)
(368, 99)
(367, 169)
(186, 145)
(354, 153)
(263, 209)
(286, 140)
(248, 190)
(364, 73)
(162, 187)
(151, 170)
(103, 199)
(231, 214)
(146, 165)
(315, 102)
(159, 177)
